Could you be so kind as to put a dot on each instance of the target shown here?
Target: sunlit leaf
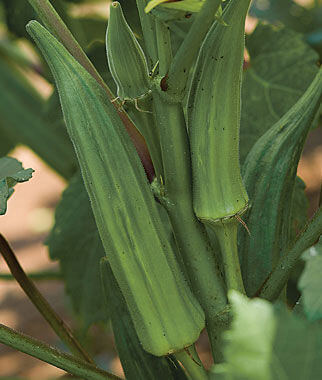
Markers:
(11, 173)
(310, 282)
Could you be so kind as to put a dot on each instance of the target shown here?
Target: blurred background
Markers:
(30, 214)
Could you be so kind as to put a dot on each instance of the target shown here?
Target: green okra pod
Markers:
(269, 173)
(125, 57)
(219, 195)
(166, 315)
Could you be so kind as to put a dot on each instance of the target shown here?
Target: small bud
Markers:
(125, 57)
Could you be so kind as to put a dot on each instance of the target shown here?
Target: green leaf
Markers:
(11, 173)
(269, 343)
(75, 242)
(17, 14)
(136, 362)
(269, 174)
(89, 29)
(310, 283)
(6, 144)
(22, 121)
(282, 66)
(297, 348)
(248, 344)
(290, 13)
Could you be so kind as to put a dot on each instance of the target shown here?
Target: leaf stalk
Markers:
(281, 273)
(58, 325)
(48, 354)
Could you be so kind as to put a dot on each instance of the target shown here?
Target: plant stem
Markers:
(190, 234)
(191, 362)
(56, 25)
(281, 273)
(164, 47)
(58, 325)
(148, 29)
(48, 354)
(226, 233)
(36, 276)
(183, 61)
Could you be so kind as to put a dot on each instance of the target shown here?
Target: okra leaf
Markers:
(269, 174)
(310, 283)
(22, 121)
(17, 14)
(6, 144)
(248, 344)
(136, 362)
(266, 343)
(75, 242)
(11, 173)
(306, 20)
(95, 29)
(282, 66)
(297, 347)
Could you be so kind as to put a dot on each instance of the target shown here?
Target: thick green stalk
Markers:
(191, 362)
(48, 354)
(148, 29)
(190, 234)
(226, 232)
(281, 273)
(182, 62)
(164, 47)
(56, 25)
(57, 324)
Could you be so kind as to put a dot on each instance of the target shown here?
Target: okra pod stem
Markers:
(227, 236)
(191, 362)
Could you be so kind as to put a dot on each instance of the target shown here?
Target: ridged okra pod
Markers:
(125, 56)
(219, 195)
(166, 315)
(269, 173)
(136, 362)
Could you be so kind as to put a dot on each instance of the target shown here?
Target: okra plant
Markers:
(183, 209)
